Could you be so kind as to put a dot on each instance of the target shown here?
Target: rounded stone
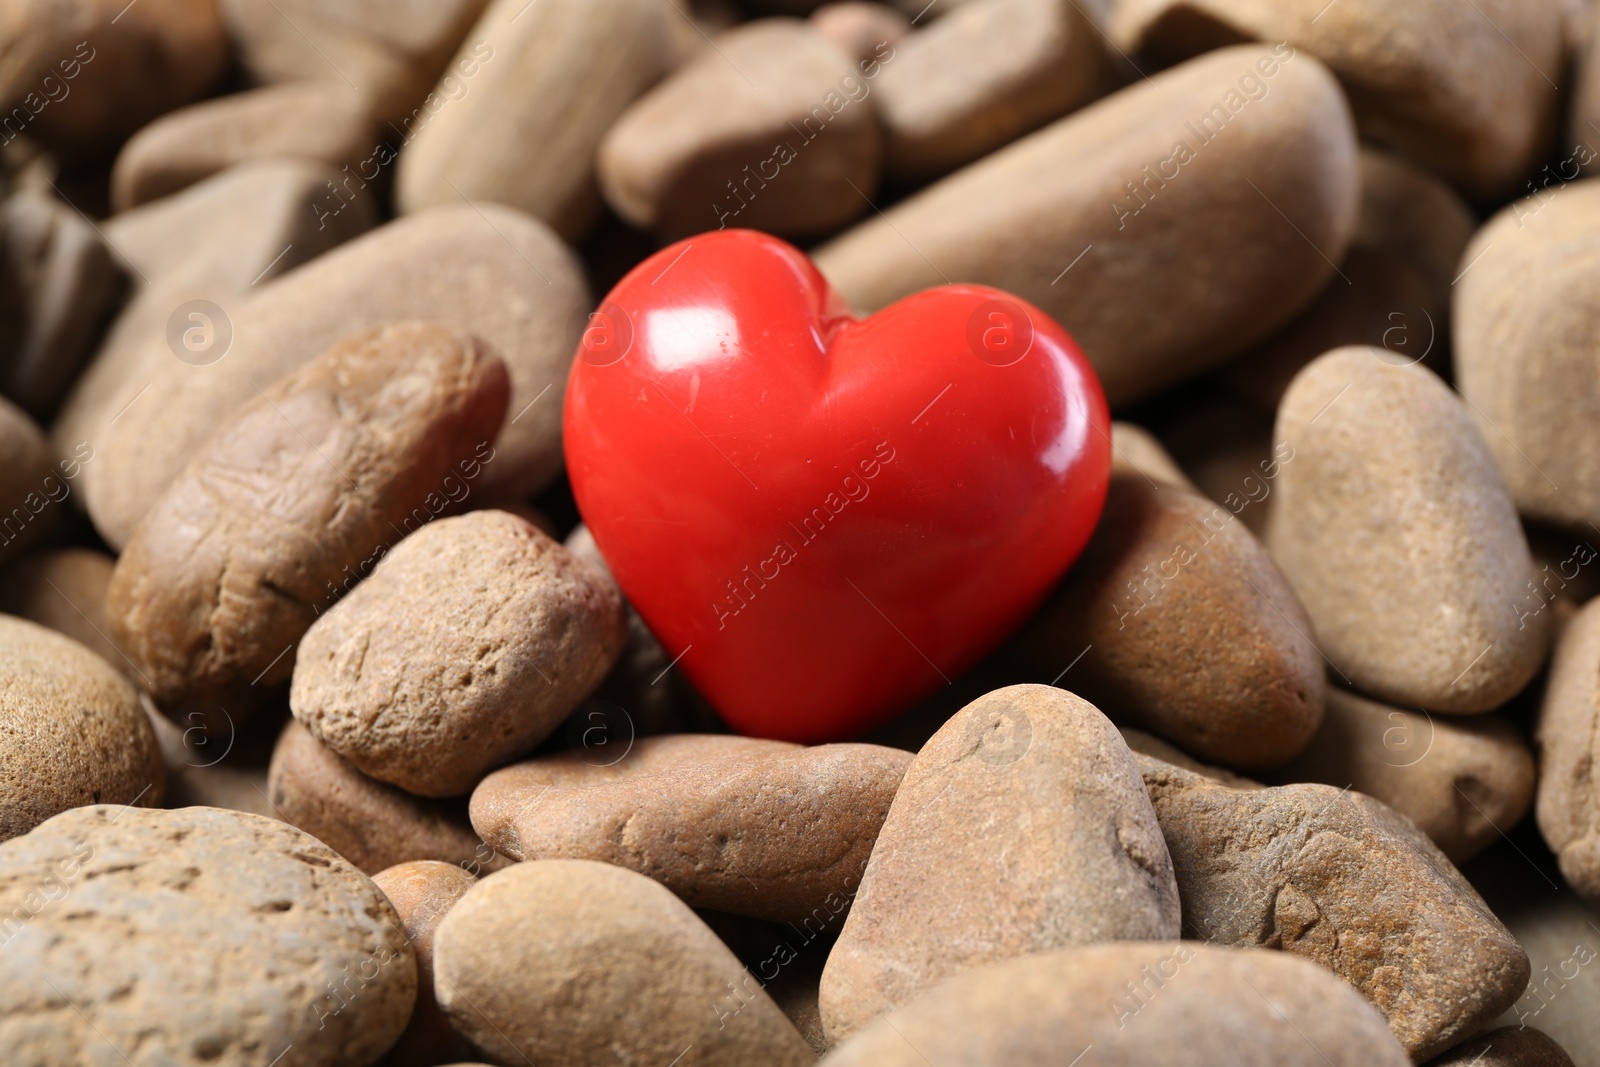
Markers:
(197, 938)
(1568, 738)
(71, 731)
(471, 641)
(422, 893)
(1509, 1046)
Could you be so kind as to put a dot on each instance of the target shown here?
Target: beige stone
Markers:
(1522, 351)
(1176, 620)
(1398, 535)
(1467, 91)
(1344, 881)
(31, 489)
(198, 938)
(325, 122)
(754, 828)
(484, 269)
(982, 76)
(1158, 268)
(299, 493)
(422, 893)
(526, 132)
(771, 130)
(1133, 1004)
(1461, 780)
(471, 641)
(1021, 826)
(622, 970)
(71, 731)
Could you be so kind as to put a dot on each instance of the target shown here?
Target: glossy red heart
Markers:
(825, 518)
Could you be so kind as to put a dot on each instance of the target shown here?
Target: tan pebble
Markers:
(215, 240)
(525, 134)
(1466, 91)
(369, 823)
(483, 269)
(90, 72)
(1135, 452)
(1521, 350)
(982, 76)
(1132, 1004)
(422, 893)
(1461, 780)
(1021, 826)
(1342, 880)
(778, 148)
(860, 27)
(71, 731)
(1397, 533)
(1509, 1046)
(64, 589)
(1185, 628)
(298, 494)
(468, 645)
(1396, 288)
(1091, 185)
(392, 53)
(563, 962)
(326, 122)
(32, 491)
(164, 923)
(769, 830)
(1568, 806)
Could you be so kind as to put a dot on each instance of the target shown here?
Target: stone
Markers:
(392, 53)
(1519, 350)
(1123, 221)
(589, 989)
(148, 931)
(299, 493)
(1342, 880)
(1509, 1046)
(1568, 806)
(1247, 1008)
(64, 589)
(1396, 288)
(1176, 620)
(765, 829)
(560, 74)
(859, 27)
(770, 130)
(1150, 745)
(1135, 452)
(1021, 827)
(325, 122)
(1397, 533)
(71, 731)
(80, 75)
(422, 893)
(213, 242)
(65, 285)
(471, 641)
(31, 489)
(1468, 92)
(1461, 780)
(373, 825)
(483, 269)
(980, 77)
(215, 763)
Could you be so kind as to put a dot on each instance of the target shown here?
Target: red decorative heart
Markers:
(827, 518)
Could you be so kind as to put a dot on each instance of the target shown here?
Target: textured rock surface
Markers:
(467, 646)
(118, 908)
(1344, 881)
(1509, 1046)
(1186, 628)
(754, 828)
(1020, 218)
(422, 893)
(1178, 1004)
(589, 990)
(296, 496)
(1021, 826)
(1568, 729)
(71, 731)
(369, 823)
(1396, 531)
